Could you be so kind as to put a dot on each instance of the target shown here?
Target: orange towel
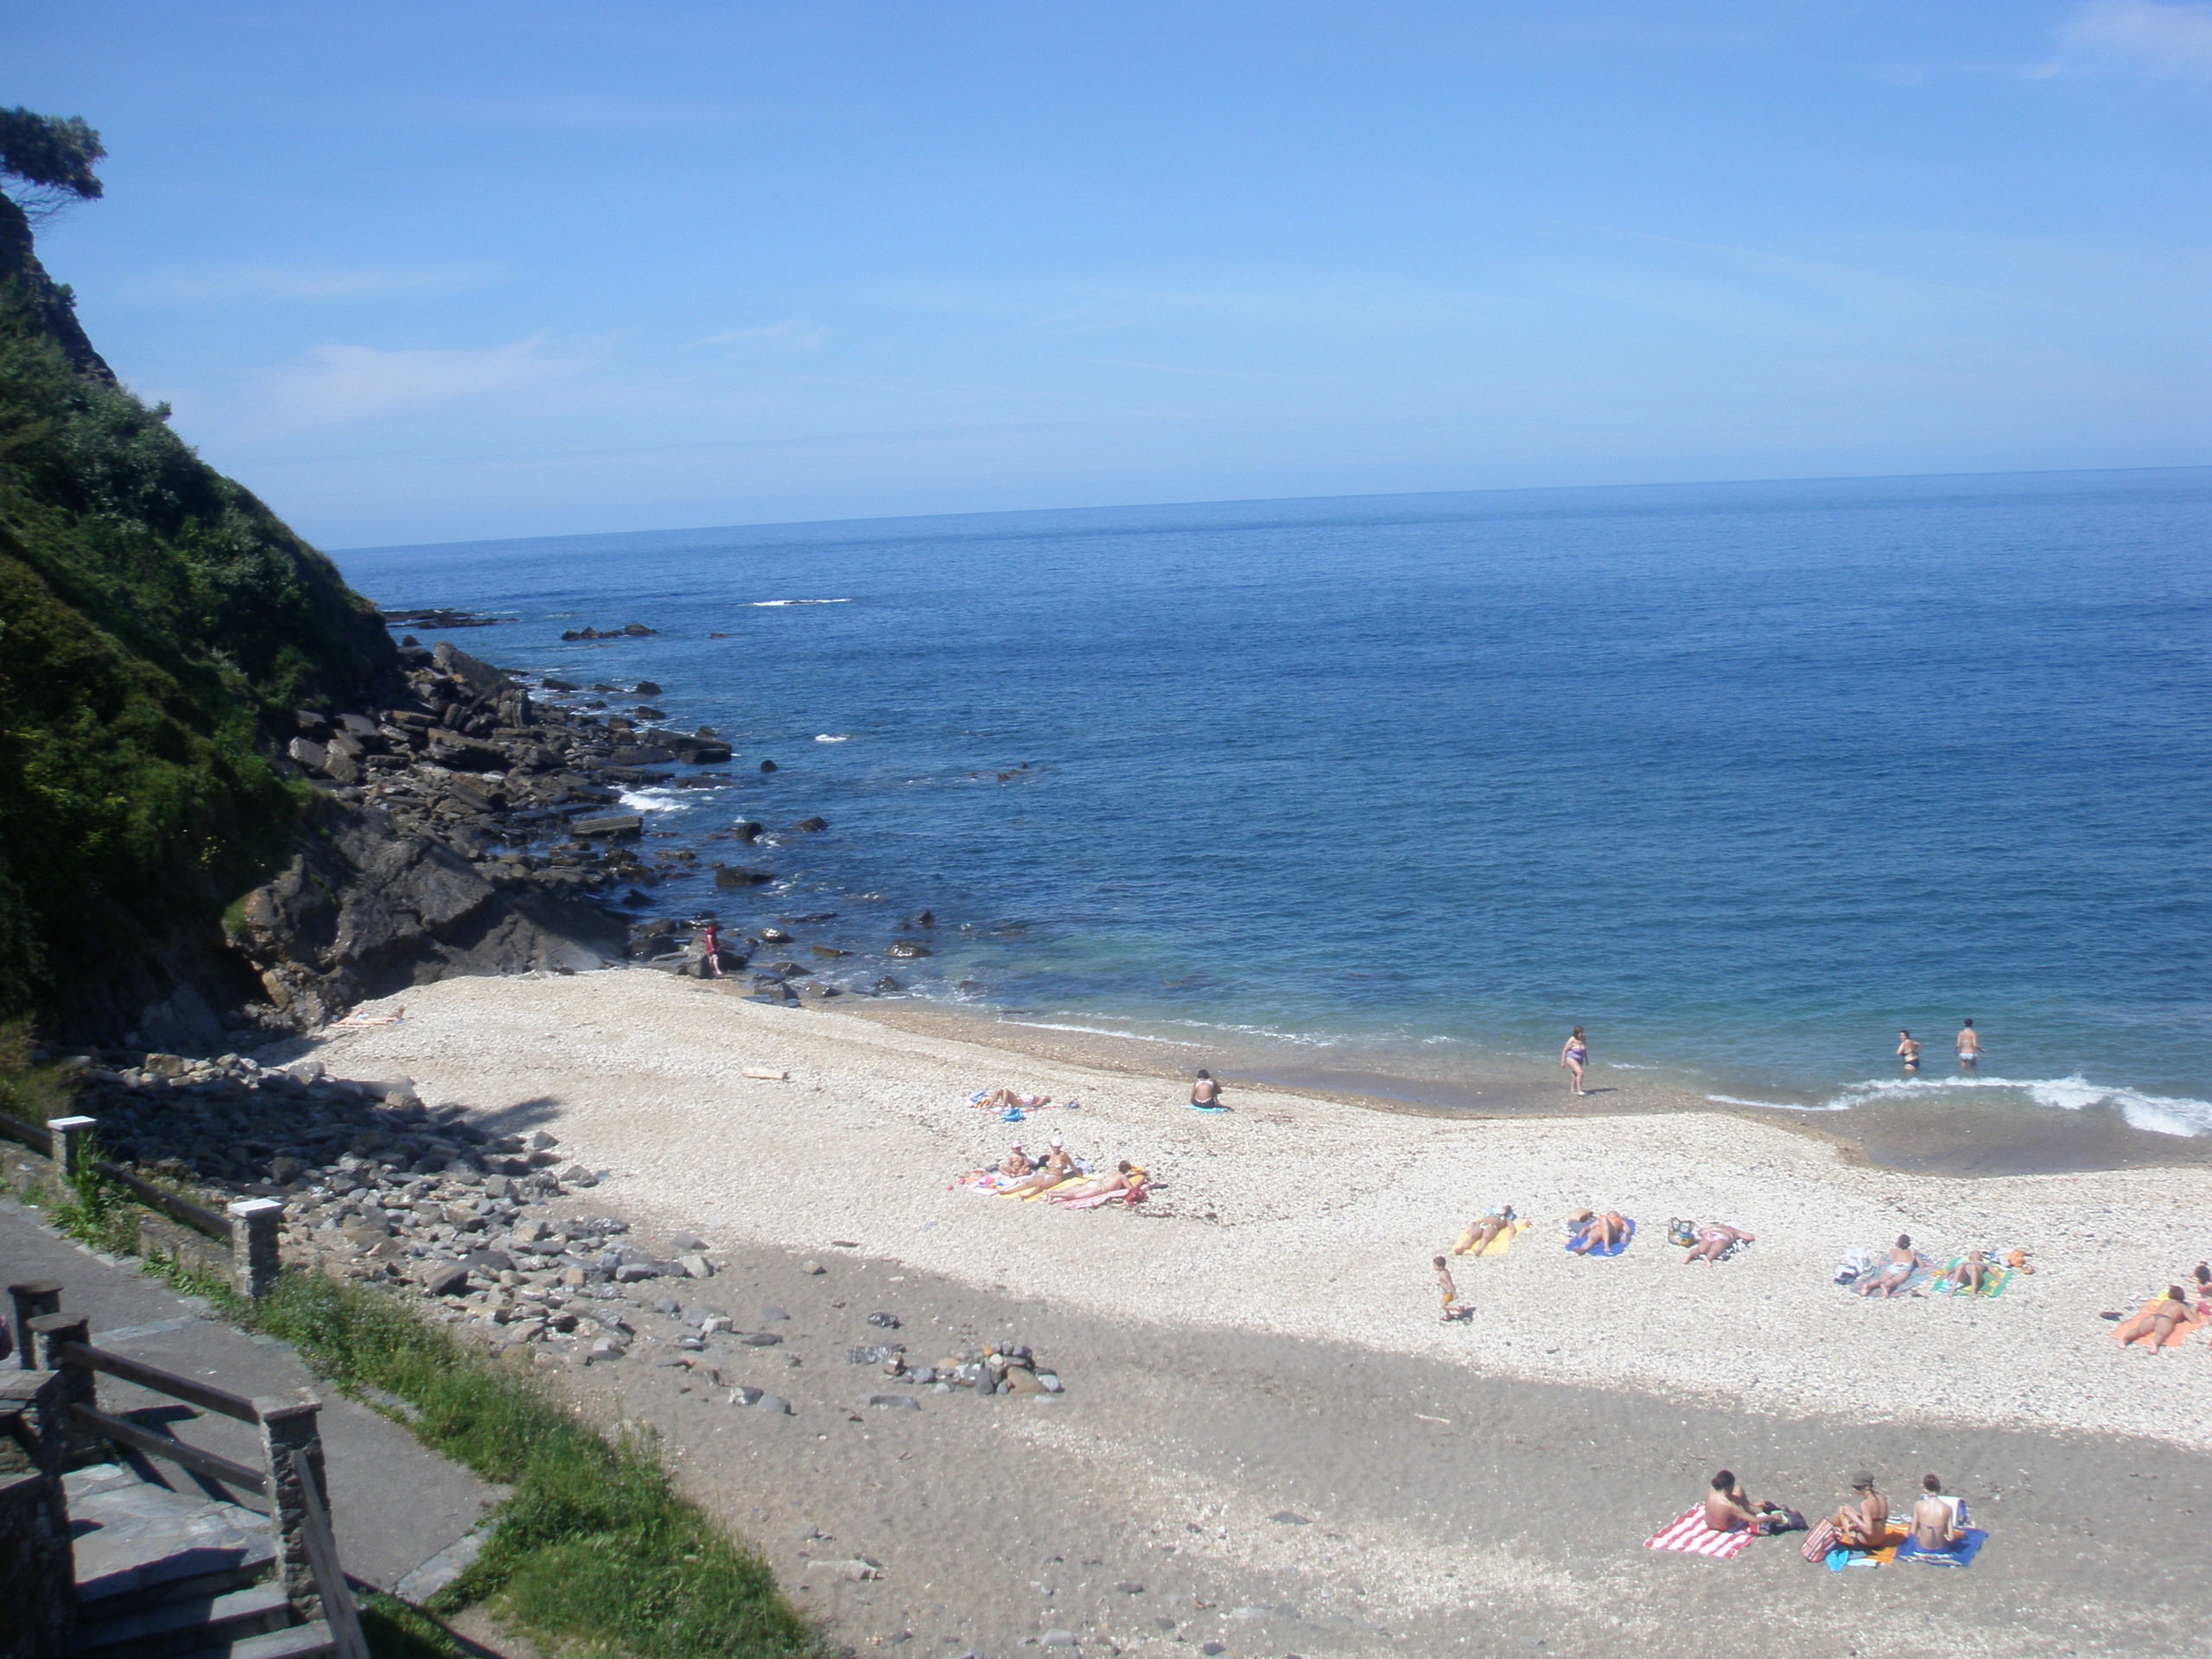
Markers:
(2189, 1321)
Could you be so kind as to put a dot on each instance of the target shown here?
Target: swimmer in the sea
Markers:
(1908, 1051)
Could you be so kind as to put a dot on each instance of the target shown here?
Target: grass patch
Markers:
(595, 1551)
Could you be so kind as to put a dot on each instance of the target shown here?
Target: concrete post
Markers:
(31, 1299)
(74, 1385)
(30, 1403)
(36, 1562)
(292, 1438)
(69, 1134)
(256, 1256)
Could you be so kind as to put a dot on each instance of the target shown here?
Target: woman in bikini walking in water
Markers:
(1574, 1056)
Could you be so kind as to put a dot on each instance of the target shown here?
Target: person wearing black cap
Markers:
(1865, 1521)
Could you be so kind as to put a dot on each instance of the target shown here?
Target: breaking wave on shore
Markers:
(2154, 1114)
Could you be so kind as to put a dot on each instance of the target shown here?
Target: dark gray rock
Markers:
(447, 1280)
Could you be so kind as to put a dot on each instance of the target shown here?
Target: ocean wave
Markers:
(833, 737)
(1100, 1030)
(1768, 1105)
(777, 604)
(650, 800)
(2157, 1114)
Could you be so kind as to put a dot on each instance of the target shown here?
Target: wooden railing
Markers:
(289, 1478)
(175, 1205)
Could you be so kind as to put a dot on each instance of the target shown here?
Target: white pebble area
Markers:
(1318, 1218)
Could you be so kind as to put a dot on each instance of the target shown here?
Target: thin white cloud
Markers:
(340, 383)
(236, 284)
(2170, 39)
(791, 335)
(586, 109)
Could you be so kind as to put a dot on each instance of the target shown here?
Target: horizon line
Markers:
(1258, 500)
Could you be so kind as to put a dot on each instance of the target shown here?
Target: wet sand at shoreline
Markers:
(1958, 1137)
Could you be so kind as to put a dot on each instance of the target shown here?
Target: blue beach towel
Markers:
(1959, 1555)
(1627, 1239)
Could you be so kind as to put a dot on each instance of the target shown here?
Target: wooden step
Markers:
(186, 1624)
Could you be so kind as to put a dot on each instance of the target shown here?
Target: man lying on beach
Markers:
(1864, 1522)
(1123, 1176)
(1596, 1232)
(1902, 1262)
(1971, 1274)
(1727, 1510)
(1934, 1518)
(1479, 1233)
(1713, 1240)
(1455, 1309)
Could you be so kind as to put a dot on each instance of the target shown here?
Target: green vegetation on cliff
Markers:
(158, 626)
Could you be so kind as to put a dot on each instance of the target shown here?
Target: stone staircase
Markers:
(163, 1573)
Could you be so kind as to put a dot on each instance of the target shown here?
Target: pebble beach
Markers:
(1312, 1218)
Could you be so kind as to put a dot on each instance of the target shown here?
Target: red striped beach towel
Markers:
(1687, 1534)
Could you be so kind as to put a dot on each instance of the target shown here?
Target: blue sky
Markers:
(424, 272)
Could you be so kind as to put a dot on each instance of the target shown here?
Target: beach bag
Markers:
(1682, 1233)
(1820, 1542)
(1785, 1521)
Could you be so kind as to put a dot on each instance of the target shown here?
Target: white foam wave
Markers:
(1100, 1030)
(777, 604)
(650, 800)
(2156, 1114)
(833, 737)
(1768, 1105)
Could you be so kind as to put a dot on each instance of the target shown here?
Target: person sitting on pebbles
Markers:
(1016, 1163)
(1479, 1233)
(1864, 1522)
(1727, 1510)
(1713, 1240)
(1455, 1309)
(1120, 1178)
(1596, 1232)
(1043, 1178)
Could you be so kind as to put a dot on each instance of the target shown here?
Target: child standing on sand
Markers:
(1455, 1309)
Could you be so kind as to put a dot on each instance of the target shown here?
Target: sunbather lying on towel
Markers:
(1479, 1233)
(1972, 1274)
(1935, 1517)
(1713, 1240)
(2157, 1321)
(1902, 1262)
(1863, 1523)
(1120, 1178)
(999, 1099)
(1727, 1510)
(1596, 1232)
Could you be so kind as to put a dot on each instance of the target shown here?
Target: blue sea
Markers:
(1742, 777)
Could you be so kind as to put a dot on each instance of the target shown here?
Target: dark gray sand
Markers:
(1280, 1496)
(1963, 1137)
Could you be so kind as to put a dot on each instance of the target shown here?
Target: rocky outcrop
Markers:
(366, 909)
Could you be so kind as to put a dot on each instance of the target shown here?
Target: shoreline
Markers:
(1961, 1139)
(1309, 1217)
(1945, 1136)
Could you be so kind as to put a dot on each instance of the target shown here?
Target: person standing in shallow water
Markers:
(1908, 1051)
(1969, 1046)
(1573, 1057)
(710, 942)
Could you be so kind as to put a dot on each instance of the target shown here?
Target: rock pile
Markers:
(987, 1370)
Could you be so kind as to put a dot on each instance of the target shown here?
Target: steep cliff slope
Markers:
(165, 641)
